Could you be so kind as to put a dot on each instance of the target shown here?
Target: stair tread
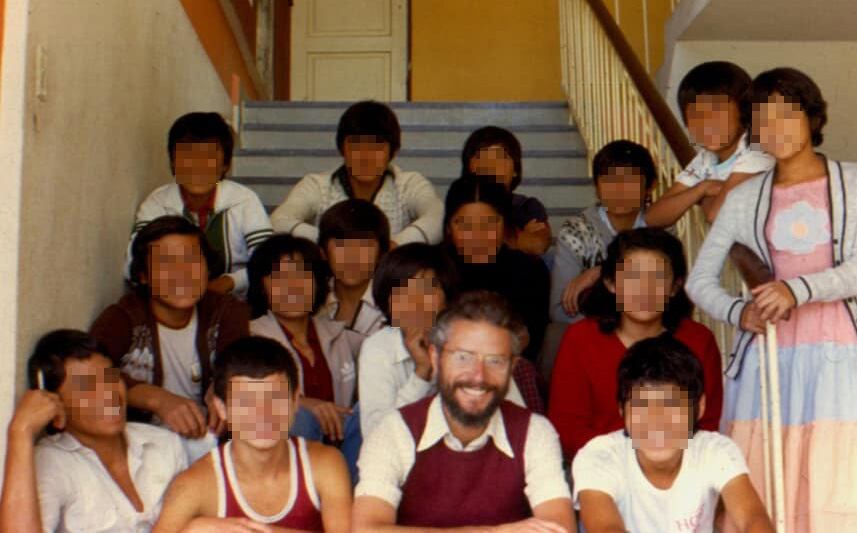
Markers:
(407, 152)
(331, 127)
(553, 104)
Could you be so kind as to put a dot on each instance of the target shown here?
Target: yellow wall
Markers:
(479, 50)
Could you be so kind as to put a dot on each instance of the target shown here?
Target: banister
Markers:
(663, 115)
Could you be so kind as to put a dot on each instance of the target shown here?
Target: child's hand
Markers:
(774, 300)
(36, 410)
(181, 415)
(534, 238)
(416, 342)
(751, 320)
(711, 188)
(215, 423)
(575, 287)
(222, 285)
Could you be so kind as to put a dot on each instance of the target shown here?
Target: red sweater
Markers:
(583, 386)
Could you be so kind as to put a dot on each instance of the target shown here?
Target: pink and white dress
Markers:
(818, 376)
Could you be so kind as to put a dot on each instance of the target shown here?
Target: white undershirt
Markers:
(179, 359)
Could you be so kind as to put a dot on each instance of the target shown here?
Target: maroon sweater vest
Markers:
(455, 489)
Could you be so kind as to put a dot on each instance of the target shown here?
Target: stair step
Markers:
(441, 167)
(303, 136)
(414, 113)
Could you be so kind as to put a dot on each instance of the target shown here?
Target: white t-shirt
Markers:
(609, 464)
(182, 371)
(705, 166)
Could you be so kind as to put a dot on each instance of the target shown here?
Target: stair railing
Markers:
(611, 96)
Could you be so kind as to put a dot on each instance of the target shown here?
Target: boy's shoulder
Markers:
(578, 231)
(234, 193)
(608, 451)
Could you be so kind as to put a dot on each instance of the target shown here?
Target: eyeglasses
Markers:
(465, 359)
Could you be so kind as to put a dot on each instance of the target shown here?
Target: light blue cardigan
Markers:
(742, 219)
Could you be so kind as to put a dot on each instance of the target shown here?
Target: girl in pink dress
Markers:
(800, 219)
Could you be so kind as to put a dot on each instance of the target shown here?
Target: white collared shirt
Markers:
(389, 453)
(77, 494)
(705, 166)
(367, 320)
(387, 378)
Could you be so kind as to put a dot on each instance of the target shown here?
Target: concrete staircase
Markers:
(282, 141)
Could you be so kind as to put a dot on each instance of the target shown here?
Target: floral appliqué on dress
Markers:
(800, 228)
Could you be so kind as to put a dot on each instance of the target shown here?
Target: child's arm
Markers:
(703, 284)
(255, 229)
(421, 201)
(185, 499)
(677, 200)
(20, 508)
(711, 205)
(599, 514)
(744, 506)
(567, 267)
(334, 487)
(533, 239)
(297, 214)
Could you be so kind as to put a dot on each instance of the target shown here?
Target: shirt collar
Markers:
(340, 175)
(639, 222)
(401, 353)
(437, 429)
(135, 441)
(332, 303)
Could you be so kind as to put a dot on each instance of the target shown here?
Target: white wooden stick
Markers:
(776, 429)
(766, 421)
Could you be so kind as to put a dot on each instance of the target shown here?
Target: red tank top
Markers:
(301, 510)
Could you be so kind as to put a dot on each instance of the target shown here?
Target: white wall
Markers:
(821, 60)
(117, 73)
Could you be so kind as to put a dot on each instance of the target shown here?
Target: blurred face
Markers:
(352, 261)
(659, 419)
(781, 127)
(366, 157)
(258, 410)
(198, 166)
(622, 190)
(290, 288)
(178, 275)
(714, 121)
(494, 161)
(644, 285)
(476, 231)
(415, 304)
(475, 367)
(94, 397)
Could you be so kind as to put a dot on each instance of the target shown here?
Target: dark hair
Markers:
(492, 136)
(370, 118)
(472, 188)
(713, 78)
(600, 303)
(478, 306)
(796, 87)
(267, 256)
(155, 230)
(405, 262)
(661, 360)
(624, 154)
(201, 127)
(53, 350)
(253, 357)
(354, 219)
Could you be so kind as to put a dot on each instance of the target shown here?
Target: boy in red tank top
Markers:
(261, 480)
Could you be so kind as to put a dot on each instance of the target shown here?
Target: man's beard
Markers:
(447, 394)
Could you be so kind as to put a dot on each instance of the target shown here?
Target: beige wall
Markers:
(116, 74)
(823, 61)
(503, 50)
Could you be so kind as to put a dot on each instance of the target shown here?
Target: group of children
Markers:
(232, 387)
